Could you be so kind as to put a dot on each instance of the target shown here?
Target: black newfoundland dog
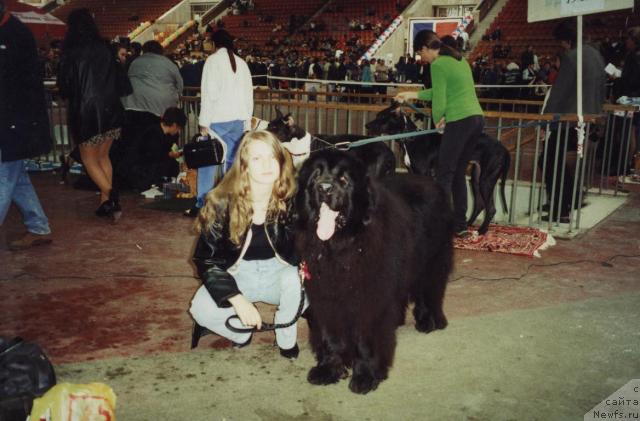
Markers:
(370, 247)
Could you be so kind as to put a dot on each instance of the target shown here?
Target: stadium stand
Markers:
(517, 33)
(118, 17)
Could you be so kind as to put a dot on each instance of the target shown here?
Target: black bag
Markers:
(203, 151)
(25, 374)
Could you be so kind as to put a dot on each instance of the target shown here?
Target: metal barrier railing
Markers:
(600, 170)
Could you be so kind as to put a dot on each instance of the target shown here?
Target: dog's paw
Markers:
(363, 383)
(323, 374)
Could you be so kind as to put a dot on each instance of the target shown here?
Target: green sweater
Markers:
(453, 95)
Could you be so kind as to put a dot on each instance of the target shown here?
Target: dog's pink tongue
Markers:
(326, 223)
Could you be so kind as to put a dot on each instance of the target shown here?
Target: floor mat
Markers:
(521, 241)
(170, 205)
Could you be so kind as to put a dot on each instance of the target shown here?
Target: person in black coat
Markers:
(91, 79)
(149, 157)
(24, 127)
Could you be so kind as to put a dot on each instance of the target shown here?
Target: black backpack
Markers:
(25, 374)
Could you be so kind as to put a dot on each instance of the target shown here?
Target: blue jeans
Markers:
(269, 281)
(231, 132)
(15, 186)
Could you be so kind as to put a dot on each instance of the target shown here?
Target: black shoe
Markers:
(105, 209)
(291, 353)
(242, 345)
(197, 333)
(191, 213)
(117, 210)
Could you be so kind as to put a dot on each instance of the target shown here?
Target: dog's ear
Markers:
(278, 113)
(395, 105)
(373, 201)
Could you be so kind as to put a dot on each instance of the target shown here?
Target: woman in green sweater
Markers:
(456, 109)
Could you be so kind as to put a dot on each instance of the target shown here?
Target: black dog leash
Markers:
(267, 326)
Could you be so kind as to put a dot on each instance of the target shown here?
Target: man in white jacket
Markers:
(226, 106)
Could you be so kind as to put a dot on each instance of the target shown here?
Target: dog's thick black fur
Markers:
(378, 158)
(392, 244)
(491, 160)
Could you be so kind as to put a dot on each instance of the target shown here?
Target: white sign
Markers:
(553, 9)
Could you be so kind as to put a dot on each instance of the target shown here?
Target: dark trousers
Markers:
(562, 183)
(456, 149)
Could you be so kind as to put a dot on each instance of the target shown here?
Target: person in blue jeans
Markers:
(24, 128)
(226, 107)
(245, 251)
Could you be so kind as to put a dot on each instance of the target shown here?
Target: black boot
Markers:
(105, 209)
(114, 197)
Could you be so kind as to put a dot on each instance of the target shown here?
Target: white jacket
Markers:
(226, 96)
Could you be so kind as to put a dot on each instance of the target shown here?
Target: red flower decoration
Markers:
(304, 271)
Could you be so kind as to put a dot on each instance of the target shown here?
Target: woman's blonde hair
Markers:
(235, 189)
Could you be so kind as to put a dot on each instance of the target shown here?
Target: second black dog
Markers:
(377, 157)
(491, 160)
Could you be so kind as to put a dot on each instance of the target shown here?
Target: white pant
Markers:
(269, 281)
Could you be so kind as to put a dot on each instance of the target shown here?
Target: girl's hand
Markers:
(406, 96)
(246, 311)
(440, 125)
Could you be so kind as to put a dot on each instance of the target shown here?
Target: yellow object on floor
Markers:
(76, 402)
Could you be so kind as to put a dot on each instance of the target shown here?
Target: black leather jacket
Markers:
(215, 253)
(90, 78)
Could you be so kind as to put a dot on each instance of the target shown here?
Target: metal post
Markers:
(555, 174)
(532, 190)
(604, 150)
(562, 169)
(611, 134)
(544, 169)
(624, 145)
(586, 151)
(514, 185)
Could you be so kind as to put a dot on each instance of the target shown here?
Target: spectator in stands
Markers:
(412, 70)
(526, 57)
(512, 77)
(528, 74)
(151, 157)
(629, 82)
(382, 76)
(157, 85)
(401, 68)
(553, 70)
(136, 51)
(24, 128)
(121, 53)
(90, 77)
(543, 74)
(191, 72)
(562, 100)
(246, 223)
(464, 36)
(456, 110)
(226, 106)
(366, 75)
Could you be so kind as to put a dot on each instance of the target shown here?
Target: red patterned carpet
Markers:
(521, 241)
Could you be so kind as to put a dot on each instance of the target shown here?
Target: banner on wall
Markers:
(441, 26)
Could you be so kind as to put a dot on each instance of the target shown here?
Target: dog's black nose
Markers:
(325, 187)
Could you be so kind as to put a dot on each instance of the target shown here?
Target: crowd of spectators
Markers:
(342, 61)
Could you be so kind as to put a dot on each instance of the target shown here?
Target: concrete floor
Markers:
(532, 339)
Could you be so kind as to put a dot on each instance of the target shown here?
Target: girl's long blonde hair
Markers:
(235, 189)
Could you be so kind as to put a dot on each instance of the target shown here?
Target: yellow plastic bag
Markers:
(76, 402)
